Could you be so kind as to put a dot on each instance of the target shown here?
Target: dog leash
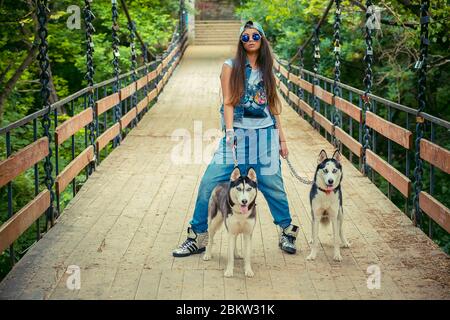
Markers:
(295, 174)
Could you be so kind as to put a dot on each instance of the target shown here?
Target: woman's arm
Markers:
(283, 145)
(227, 106)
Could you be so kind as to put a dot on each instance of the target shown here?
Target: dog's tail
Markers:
(325, 219)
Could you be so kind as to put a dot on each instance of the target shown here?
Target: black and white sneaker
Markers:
(287, 239)
(195, 243)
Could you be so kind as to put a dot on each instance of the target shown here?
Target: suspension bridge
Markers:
(114, 239)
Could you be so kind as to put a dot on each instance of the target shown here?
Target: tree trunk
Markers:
(11, 83)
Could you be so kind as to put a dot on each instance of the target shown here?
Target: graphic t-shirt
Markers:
(256, 115)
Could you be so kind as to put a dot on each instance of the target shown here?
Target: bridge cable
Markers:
(305, 44)
(144, 55)
(89, 76)
(337, 91)
(127, 14)
(421, 66)
(115, 61)
(44, 79)
(316, 60)
(134, 98)
(368, 58)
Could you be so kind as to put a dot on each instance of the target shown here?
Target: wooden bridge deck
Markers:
(122, 225)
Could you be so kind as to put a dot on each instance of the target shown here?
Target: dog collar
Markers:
(326, 191)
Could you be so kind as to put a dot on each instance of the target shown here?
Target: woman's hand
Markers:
(283, 149)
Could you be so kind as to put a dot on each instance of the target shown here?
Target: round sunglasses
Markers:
(246, 38)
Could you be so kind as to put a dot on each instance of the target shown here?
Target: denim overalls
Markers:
(257, 148)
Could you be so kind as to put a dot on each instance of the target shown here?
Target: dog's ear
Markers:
(322, 156)
(251, 174)
(235, 174)
(337, 156)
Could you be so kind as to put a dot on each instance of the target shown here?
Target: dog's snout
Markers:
(244, 201)
(330, 181)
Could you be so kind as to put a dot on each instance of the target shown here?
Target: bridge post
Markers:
(88, 18)
(421, 66)
(190, 17)
(44, 62)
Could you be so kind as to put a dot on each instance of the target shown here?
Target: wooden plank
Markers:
(23, 159)
(395, 177)
(323, 95)
(277, 81)
(160, 86)
(324, 122)
(348, 108)
(72, 125)
(22, 220)
(165, 77)
(436, 210)
(107, 103)
(284, 72)
(300, 82)
(127, 91)
(142, 104)
(348, 141)
(107, 136)
(159, 69)
(141, 82)
(306, 107)
(128, 117)
(152, 95)
(390, 130)
(165, 62)
(276, 65)
(284, 88)
(73, 169)
(152, 75)
(436, 155)
(293, 97)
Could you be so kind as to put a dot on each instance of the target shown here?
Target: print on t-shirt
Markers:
(255, 99)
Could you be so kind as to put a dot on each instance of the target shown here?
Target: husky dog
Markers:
(326, 202)
(233, 202)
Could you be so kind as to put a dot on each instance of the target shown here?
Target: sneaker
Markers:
(287, 239)
(195, 243)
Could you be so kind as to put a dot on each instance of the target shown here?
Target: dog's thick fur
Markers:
(233, 202)
(326, 202)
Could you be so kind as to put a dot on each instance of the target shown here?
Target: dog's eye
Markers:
(249, 189)
(238, 188)
(325, 170)
(334, 170)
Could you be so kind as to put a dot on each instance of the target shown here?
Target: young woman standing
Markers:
(250, 118)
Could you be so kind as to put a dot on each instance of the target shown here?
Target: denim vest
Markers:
(238, 110)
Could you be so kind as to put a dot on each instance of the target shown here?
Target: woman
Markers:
(250, 118)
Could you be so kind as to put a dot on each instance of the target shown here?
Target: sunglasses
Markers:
(246, 38)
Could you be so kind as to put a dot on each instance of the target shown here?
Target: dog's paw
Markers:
(311, 257)
(337, 257)
(228, 273)
(345, 245)
(207, 257)
(249, 273)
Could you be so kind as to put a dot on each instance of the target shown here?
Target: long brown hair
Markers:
(265, 63)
